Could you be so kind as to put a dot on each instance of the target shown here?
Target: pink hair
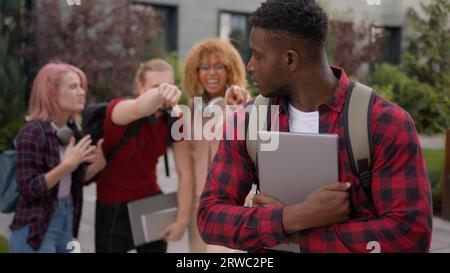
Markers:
(43, 105)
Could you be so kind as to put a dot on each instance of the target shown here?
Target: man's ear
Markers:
(292, 59)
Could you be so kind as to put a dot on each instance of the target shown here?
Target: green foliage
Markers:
(12, 82)
(428, 60)
(385, 78)
(3, 245)
(428, 55)
(174, 60)
(429, 107)
(12, 89)
(254, 91)
(434, 161)
(9, 132)
(422, 85)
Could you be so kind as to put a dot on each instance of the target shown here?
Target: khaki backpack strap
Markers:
(253, 124)
(357, 111)
(358, 127)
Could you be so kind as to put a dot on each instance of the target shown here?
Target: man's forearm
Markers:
(391, 233)
(128, 111)
(148, 103)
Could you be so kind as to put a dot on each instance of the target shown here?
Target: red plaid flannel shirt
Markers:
(37, 204)
(400, 217)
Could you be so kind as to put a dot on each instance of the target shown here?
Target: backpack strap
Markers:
(251, 131)
(357, 117)
(132, 131)
(252, 125)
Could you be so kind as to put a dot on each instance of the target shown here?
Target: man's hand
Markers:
(325, 206)
(174, 231)
(170, 95)
(329, 204)
(236, 95)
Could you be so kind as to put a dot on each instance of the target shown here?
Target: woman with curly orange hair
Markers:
(214, 74)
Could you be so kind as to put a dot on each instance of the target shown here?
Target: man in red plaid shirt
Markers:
(289, 64)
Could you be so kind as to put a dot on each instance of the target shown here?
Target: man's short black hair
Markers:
(302, 18)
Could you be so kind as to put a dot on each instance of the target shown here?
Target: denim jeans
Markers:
(113, 231)
(58, 235)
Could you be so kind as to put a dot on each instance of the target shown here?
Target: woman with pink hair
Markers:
(53, 161)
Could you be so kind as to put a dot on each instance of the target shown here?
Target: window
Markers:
(235, 28)
(163, 40)
(391, 49)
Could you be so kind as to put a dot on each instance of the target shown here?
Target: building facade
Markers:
(189, 21)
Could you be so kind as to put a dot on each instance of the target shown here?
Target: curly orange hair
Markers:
(226, 54)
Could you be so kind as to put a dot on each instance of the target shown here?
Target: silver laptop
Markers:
(292, 165)
(298, 165)
(156, 222)
(150, 216)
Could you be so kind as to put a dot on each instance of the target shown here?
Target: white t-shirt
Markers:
(303, 122)
(65, 183)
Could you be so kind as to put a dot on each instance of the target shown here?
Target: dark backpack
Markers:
(357, 116)
(93, 120)
(8, 183)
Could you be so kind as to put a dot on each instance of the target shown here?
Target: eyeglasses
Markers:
(215, 67)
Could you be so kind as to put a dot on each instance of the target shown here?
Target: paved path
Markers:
(432, 142)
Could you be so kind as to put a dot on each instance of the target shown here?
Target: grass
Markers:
(3, 245)
(434, 161)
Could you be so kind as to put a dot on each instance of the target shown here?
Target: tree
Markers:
(12, 81)
(422, 84)
(428, 109)
(350, 45)
(428, 55)
(104, 38)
